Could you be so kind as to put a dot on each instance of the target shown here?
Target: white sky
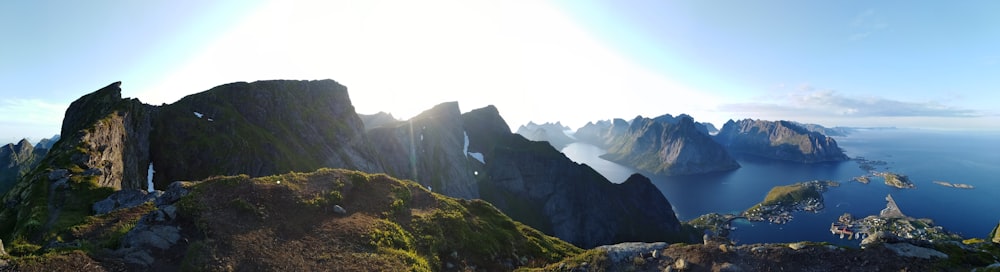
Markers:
(538, 61)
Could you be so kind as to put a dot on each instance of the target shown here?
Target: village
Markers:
(891, 223)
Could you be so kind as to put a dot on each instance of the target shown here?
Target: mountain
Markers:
(834, 131)
(47, 143)
(474, 155)
(260, 128)
(377, 120)
(667, 146)
(603, 132)
(548, 132)
(430, 148)
(15, 161)
(112, 145)
(781, 140)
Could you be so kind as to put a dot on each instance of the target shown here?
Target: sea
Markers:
(924, 155)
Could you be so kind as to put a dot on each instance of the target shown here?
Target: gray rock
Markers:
(93, 172)
(727, 267)
(339, 210)
(104, 206)
(170, 211)
(909, 250)
(174, 192)
(58, 174)
(625, 252)
(123, 199)
(2, 251)
(155, 232)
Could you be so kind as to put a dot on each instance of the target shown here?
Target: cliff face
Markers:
(260, 128)
(548, 132)
(15, 161)
(431, 149)
(669, 147)
(536, 184)
(111, 135)
(781, 140)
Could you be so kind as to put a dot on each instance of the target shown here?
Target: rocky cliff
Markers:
(260, 128)
(671, 146)
(109, 137)
(15, 161)
(536, 184)
(554, 134)
(781, 140)
(430, 148)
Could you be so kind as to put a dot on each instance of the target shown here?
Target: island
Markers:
(777, 207)
(896, 180)
(862, 179)
(781, 201)
(890, 225)
(954, 185)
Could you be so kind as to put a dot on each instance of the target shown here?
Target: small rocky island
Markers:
(896, 180)
(954, 185)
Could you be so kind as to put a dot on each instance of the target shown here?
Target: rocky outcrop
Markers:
(109, 136)
(377, 120)
(995, 235)
(537, 185)
(15, 161)
(554, 134)
(432, 149)
(260, 128)
(781, 140)
(669, 146)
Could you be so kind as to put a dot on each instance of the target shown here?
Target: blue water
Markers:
(925, 156)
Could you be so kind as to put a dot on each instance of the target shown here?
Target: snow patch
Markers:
(466, 148)
(421, 136)
(198, 114)
(149, 178)
(476, 155)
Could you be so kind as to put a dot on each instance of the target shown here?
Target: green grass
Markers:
(788, 194)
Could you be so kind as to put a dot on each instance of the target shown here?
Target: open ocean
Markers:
(923, 155)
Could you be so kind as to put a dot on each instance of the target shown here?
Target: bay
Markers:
(925, 156)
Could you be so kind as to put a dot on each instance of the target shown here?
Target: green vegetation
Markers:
(392, 224)
(790, 194)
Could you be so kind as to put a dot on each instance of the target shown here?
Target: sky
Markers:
(920, 64)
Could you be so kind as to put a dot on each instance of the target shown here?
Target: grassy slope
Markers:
(391, 224)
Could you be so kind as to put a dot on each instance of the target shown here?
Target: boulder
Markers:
(174, 192)
(2, 252)
(339, 210)
(123, 199)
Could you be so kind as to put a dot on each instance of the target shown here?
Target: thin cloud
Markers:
(865, 24)
(32, 111)
(831, 103)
